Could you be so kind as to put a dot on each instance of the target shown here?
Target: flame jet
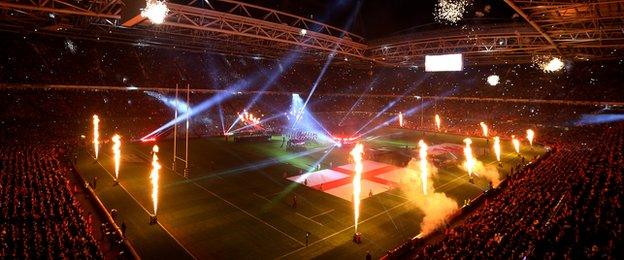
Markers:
(356, 153)
(438, 122)
(96, 135)
(497, 148)
(424, 173)
(154, 178)
(530, 136)
(401, 119)
(470, 162)
(117, 154)
(484, 129)
(516, 143)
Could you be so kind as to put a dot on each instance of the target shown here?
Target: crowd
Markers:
(34, 59)
(567, 207)
(39, 217)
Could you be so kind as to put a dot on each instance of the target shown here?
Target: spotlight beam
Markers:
(256, 165)
(289, 60)
(222, 118)
(379, 113)
(397, 99)
(329, 59)
(359, 100)
(409, 112)
(216, 99)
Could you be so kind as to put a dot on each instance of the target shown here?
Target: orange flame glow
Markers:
(154, 176)
(117, 153)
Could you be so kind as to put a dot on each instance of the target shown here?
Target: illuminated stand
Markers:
(175, 132)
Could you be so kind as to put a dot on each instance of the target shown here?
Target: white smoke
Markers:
(436, 206)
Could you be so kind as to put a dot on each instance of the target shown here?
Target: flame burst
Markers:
(117, 153)
(401, 119)
(154, 178)
(248, 118)
(96, 135)
(530, 136)
(516, 143)
(437, 121)
(497, 148)
(356, 153)
(484, 129)
(424, 174)
(470, 162)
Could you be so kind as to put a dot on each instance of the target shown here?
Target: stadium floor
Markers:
(236, 202)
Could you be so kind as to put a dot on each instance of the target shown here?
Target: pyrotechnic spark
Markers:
(497, 148)
(450, 11)
(438, 121)
(96, 135)
(469, 164)
(117, 153)
(155, 11)
(530, 136)
(484, 129)
(516, 143)
(401, 119)
(356, 153)
(154, 178)
(548, 63)
(424, 174)
(493, 80)
(553, 65)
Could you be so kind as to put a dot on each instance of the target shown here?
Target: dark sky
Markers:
(380, 18)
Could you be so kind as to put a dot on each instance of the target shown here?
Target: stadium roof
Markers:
(576, 30)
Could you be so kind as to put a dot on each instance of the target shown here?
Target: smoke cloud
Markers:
(489, 172)
(436, 206)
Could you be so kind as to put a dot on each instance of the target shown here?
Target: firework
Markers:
(96, 135)
(438, 122)
(356, 153)
(470, 162)
(401, 119)
(484, 129)
(553, 65)
(424, 174)
(450, 11)
(530, 136)
(117, 153)
(154, 178)
(548, 63)
(516, 143)
(497, 148)
(493, 80)
(156, 11)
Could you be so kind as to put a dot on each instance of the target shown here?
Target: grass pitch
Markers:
(236, 202)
